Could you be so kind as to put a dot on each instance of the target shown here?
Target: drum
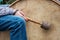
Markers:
(41, 10)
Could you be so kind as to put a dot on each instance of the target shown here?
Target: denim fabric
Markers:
(16, 25)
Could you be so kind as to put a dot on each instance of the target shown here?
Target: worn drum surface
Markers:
(41, 10)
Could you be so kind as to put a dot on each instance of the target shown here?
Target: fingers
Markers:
(22, 13)
(26, 19)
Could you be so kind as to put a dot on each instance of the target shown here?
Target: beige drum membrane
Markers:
(39, 10)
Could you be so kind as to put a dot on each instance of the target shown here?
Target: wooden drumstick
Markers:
(44, 25)
(29, 19)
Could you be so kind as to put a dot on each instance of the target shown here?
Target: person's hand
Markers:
(20, 13)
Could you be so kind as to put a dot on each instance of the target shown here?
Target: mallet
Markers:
(45, 25)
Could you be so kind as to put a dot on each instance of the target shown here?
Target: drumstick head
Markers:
(45, 25)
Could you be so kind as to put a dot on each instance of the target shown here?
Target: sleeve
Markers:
(7, 11)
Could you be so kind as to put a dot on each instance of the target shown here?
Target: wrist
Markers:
(15, 12)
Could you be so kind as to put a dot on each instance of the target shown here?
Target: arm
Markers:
(10, 11)
(7, 11)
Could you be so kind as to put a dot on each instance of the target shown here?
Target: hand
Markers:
(20, 13)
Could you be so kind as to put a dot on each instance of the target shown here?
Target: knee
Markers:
(21, 20)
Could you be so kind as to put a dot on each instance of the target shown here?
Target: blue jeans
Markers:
(16, 25)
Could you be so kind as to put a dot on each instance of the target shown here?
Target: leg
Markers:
(16, 25)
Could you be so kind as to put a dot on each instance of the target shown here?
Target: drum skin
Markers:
(40, 10)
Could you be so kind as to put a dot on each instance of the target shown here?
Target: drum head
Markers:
(41, 10)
